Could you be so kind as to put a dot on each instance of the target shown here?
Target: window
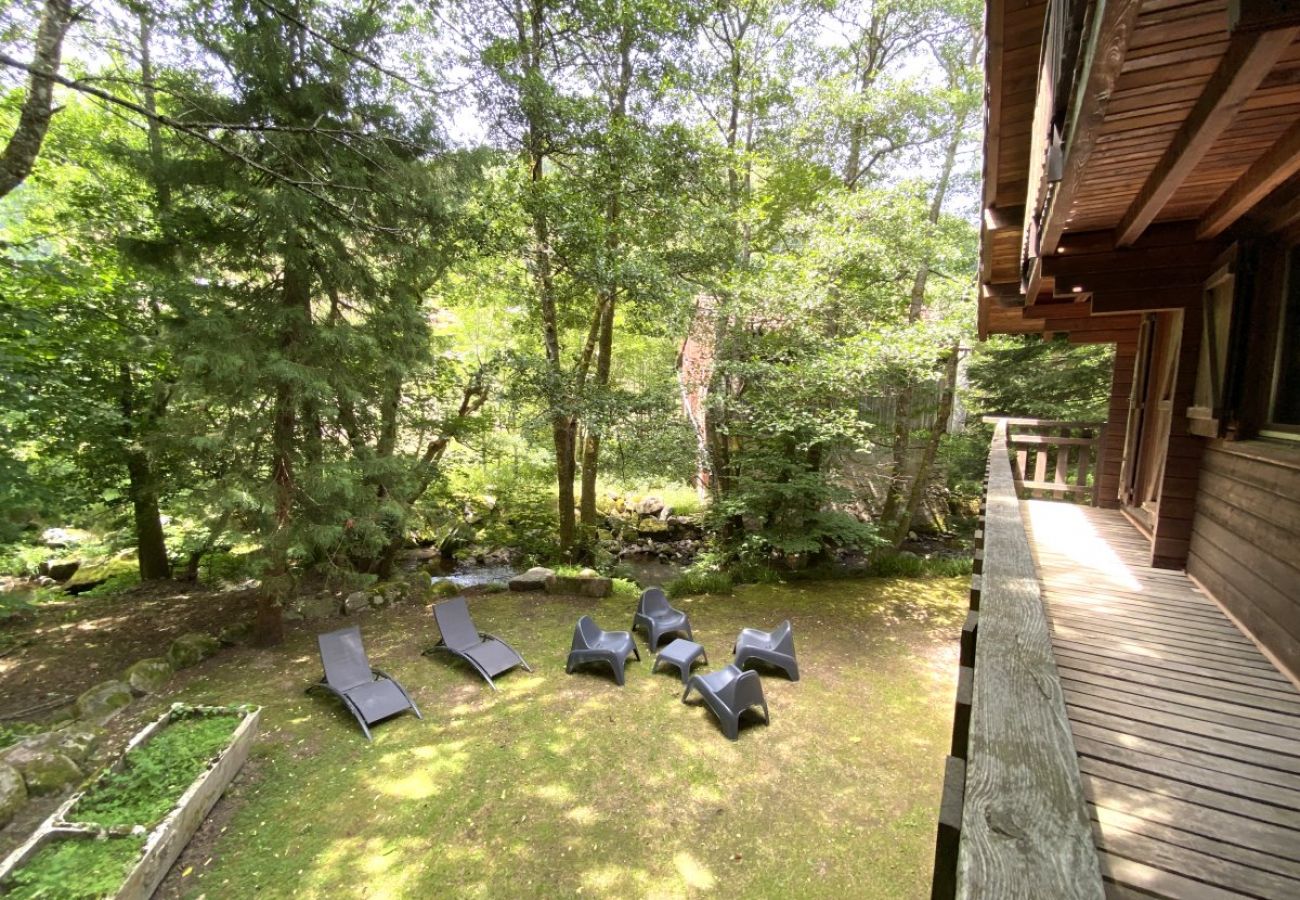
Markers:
(1206, 412)
(1284, 413)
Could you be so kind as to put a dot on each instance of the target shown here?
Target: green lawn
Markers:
(560, 785)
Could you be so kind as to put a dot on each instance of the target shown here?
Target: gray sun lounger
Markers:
(658, 618)
(489, 655)
(591, 644)
(728, 692)
(369, 694)
(776, 648)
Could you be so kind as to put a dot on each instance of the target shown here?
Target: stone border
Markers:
(101, 702)
(164, 844)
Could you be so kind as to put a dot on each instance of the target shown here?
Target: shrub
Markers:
(155, 775)
(909, 565)
(76, 869)
(696, 580)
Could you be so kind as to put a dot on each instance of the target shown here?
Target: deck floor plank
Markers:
(1188, 736)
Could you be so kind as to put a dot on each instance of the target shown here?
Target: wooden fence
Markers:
(1054, 459)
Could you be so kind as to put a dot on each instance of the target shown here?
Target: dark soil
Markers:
(66, 646)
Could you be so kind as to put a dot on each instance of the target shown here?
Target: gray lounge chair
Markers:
(590, 644)
(728, 692)
(369, 694)
(776, 648)
(658, 618)
(489, 655)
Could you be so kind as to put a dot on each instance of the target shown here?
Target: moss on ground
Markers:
(564, 784)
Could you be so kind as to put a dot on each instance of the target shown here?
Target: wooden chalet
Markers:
(1128, 721)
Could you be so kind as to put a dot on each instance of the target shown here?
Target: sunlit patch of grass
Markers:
(558, 785)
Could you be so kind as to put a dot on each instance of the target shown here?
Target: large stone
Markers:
(59, 569)
(444, 588)
(191, 649)
(322, 606)
(13, 793)
(77, 739)
(650, 506)
(533, 580)
(44, 771)
(357, 601)
(418, 587)
(582, 586)
(148, 675)
(651, 527)
(103, 700)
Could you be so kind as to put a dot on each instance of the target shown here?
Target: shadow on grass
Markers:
(564, 784)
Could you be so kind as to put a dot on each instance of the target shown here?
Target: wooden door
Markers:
(1136, 413)
(1154, 388)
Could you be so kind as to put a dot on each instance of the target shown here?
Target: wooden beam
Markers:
(997, 218)
(1262, 15)
(1249, 58)
(992, 99)
(1059, 310)
(1278, 163)
(1101, 64)
(1146, 301)
(1025, 830)
(1284, 216)
(1004, 295)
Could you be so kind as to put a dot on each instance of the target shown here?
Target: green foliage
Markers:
(115, 584)
(909, 565)
(699, 580)
(626, 588)
(1028, 376)
(154, 776)
(13, 732)
(76, 869)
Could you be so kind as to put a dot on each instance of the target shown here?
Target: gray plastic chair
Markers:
(658, 618)
(776, 648)
(488, 654)
(369, 694)
(590, 644)
(728, 692)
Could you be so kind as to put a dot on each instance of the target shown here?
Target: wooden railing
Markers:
(1055, 459)
(1013, 820)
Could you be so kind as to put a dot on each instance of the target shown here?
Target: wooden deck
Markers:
(1188, 737)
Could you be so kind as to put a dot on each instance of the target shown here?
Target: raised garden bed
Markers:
(119, 836)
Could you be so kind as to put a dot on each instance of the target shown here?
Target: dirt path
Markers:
(65, 647)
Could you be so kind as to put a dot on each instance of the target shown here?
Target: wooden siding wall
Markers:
(1245, 544)
(1112, 448)
(1173, 528)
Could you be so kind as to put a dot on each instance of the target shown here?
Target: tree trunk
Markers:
(38, 107)
(898, 481)
(295, 311)
(926, 463)
(613, 217)
(591, 446)
(151, 548)
(532, 40)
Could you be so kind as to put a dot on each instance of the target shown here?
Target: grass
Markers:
(76, 870)
(559, 785)
(907, 565)
(13, 732)
(699, 581)
(156, 774)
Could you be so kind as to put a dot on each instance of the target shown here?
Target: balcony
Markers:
(1115, 734)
